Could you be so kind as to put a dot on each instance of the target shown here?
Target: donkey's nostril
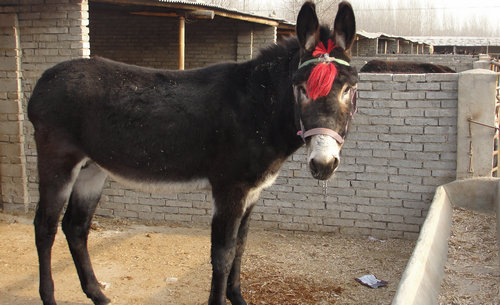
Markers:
(336, 163)
(313, 165)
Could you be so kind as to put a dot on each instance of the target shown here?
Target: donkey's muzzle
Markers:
(323, 171)
(324, 156)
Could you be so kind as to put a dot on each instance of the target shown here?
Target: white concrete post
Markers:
(476, 104)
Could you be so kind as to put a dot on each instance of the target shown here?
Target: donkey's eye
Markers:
(302, 90)
(347, 92)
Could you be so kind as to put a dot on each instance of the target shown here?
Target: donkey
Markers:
(228, 127)
(399, 67)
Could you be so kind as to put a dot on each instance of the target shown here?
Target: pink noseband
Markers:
(321, 131)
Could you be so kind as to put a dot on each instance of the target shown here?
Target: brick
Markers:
(449, 112)
(370, 224)
(422, 121)
(424, 86)
(389, 104)
(407, 112)
(408, 95)
(442, 77)
(375, 76)
(442, 95)
(405, 211)
(403, 227)
(374, 94)
(424, 104)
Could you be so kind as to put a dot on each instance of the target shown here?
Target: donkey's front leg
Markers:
(225, 224)
(234, 283)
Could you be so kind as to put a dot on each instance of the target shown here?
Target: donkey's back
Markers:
(135, 122)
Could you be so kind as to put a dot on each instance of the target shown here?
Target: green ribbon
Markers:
(324, 59)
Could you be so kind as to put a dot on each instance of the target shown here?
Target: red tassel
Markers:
(320, 48)
(321, 80)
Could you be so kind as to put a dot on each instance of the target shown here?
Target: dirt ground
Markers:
(158, 265)
(472, 271)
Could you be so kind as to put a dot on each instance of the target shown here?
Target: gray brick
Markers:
(408, 95)
(403, 227)
(429, 139)
(388, 218)
(371, 177)
(422, 121)
(411, 130)
(407, 112)
(370, 209)
(389, 104)
(372, 193)
(374, 94)
(405, 211)
(424, 104)
(406, 146)
(442, 77)
(424, 86)
(375, 77)
(353, 215)
(416, 78)
(395, 138)
(438, 95)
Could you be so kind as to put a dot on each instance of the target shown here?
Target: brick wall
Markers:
(141, 40)
(365, 47)
(14, 184)
(153, 41)
(42, 35)
(402, 144)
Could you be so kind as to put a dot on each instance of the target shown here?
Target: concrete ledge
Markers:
(421, 281)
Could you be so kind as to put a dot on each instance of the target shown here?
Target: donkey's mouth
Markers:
(323, 171)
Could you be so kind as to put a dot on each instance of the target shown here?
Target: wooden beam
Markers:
(182, 41)
(248, 18)
(155, 14)
(198, 14)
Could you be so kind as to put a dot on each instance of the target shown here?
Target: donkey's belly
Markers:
(162, 187)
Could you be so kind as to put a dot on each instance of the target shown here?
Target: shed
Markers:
(370, 44)
(177, 34)
(464, 45)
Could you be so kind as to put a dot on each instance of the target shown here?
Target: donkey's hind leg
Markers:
(57, 172)
(76, 224)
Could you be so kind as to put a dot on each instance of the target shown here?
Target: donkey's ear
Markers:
(308, 27)
(344, 27)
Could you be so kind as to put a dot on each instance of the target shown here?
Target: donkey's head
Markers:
(324, 86)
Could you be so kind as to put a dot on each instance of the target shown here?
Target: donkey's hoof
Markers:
(101, 300)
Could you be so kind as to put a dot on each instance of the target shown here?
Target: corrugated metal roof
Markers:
(461, 41)
(204, 5)
(370, 35)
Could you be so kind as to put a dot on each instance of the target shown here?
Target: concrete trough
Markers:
(421, 280)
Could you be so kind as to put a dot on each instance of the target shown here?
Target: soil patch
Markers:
(158, 265)
(472, 269)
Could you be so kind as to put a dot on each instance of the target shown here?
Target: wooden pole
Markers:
(182, 41)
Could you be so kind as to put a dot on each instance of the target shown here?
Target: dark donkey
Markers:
(228, 127)
(400, 67)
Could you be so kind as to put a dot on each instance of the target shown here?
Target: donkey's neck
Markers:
(270, 77)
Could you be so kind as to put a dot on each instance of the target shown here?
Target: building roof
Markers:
(371, 35)
(197, 6)
(460, 41)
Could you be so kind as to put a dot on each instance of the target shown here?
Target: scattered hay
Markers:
(472, 269)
